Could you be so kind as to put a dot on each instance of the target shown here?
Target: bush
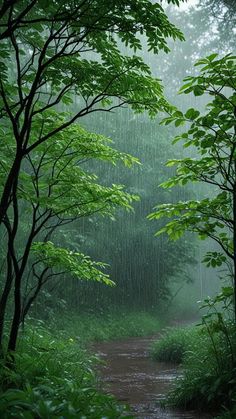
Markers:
(53, 378)
(173, 345)
(209, 371)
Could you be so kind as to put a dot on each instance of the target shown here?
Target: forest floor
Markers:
(55, 376)
(134, 378)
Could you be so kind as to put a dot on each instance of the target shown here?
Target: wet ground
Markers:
(133, 378)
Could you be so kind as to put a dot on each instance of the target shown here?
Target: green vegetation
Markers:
(209, 368)
(207, 357)
(53, 378)
(108, 326)
(174, 343)
(212, 135)
(209, 362)
(65, 67)
(68, 62)
(60, 62)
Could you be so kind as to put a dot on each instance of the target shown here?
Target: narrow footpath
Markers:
(133, 378)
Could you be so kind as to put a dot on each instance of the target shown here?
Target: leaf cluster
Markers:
(211, 136)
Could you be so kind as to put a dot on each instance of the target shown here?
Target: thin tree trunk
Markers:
(17, 316)
(41, 282)
(7, 191)
(234, 222)
(4, 297)
(234, 247)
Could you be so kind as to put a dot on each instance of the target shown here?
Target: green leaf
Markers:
(192, 114)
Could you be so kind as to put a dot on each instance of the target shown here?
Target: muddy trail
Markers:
(133, 378)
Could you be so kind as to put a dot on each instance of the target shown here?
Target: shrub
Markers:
(53, 378)
(209, 370)
(173, 345)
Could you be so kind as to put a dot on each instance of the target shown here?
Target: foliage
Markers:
(53, 377)
(224, 14)
(212, 136)
(73, 263)
(174, 344)
(100, 326)
(208, 380)
(62, 382)
(209, 365)
(131, 233)
(53, 190)
(53, 57)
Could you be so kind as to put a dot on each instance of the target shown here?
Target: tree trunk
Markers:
(234, 221)
(7, 190)
(234, 247)
(4, 297)
(17, 316)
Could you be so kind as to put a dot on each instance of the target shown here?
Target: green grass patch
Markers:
(53, 378)
(209, 371)
(173, 344)
(108, 326)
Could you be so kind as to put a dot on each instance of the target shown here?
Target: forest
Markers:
(118, 209)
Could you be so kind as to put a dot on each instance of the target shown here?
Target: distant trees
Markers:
(213, 136)
(224, 10)
(51, 53)
(223, 15)
(145, 270)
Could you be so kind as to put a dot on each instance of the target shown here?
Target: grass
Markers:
(53, 378)
(108, 326)
(173, 345)
(208, 358)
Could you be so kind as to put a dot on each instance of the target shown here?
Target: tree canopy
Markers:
(60, 62)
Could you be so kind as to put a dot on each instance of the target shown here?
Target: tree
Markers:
(74, 51)
(53, 190)
(224, 12)
(55, 55)
(212, 136)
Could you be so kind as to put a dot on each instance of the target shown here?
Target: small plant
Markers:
(174, 344)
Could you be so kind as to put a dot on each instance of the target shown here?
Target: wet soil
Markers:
(133, 378)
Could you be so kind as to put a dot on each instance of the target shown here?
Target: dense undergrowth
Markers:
(53, 378)
(108, 326)
(173, 345)
(208, 358)
(54, 375)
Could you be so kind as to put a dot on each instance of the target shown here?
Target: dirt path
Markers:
(133, 378)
